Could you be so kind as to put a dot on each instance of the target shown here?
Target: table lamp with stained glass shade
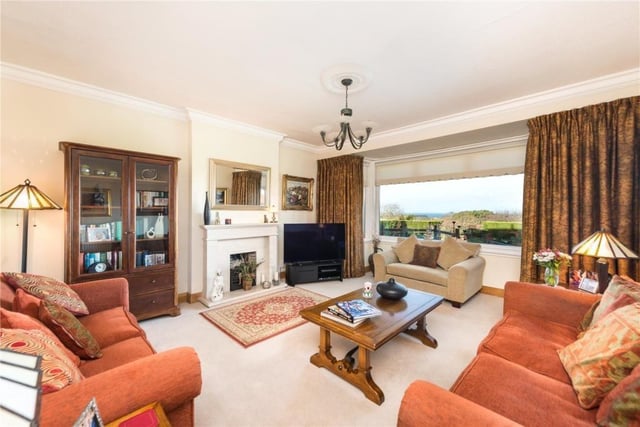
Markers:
(26, 197)
(603, 245)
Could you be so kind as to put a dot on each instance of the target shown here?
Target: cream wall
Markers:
(34, 120)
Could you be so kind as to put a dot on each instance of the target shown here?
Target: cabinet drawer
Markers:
(151, 303)
(150, 283)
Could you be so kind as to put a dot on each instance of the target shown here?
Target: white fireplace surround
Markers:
(221, 241)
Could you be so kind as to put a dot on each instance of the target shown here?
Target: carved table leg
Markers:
(422, 334)
(359, 376)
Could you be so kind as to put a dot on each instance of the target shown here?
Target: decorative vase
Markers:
(391, 289)
(551, 276)
(207, 211)
(159, 227)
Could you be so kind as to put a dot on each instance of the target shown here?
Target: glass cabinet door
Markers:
(152, 214)
(100, 214)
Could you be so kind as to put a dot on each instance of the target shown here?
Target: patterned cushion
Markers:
(14, 320)
(71, 332)
(404, 249)
(57, 370)
(618, 286)
(49, 289)
(26, 303)
(621, 407)
(451, 253)
(605, 355)
(425, 256)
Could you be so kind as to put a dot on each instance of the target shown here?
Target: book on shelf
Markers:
(330, 315)
(358, 309)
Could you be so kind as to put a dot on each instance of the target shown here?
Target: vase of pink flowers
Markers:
(551, 260)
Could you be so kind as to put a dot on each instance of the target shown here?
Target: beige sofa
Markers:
(450, 268)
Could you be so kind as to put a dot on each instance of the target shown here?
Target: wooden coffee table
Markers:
(397, 317)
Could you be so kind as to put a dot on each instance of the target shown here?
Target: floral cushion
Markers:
(619, 285)
(48, 289)
(605, 354)
(451, 253)
(57, 370)
(71, 332)
(14, 320)
(404, 249)
(425, 256)
(621, 407)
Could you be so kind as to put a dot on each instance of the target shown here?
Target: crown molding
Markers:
(202, 117)
(576, 95)
(601, 89)
(476, 147)
(73, 87)
(300, 145)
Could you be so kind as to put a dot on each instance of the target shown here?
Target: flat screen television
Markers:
(313, 242)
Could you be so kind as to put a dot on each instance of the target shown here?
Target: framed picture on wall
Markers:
(297, 193)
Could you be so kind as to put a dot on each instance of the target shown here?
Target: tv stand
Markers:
(317, 271)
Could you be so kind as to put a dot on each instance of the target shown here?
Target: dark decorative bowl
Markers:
(391, 289)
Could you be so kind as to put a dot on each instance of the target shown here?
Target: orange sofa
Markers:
(517, 377)
(130, 374)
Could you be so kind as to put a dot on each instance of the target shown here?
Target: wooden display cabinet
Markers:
(121, 222)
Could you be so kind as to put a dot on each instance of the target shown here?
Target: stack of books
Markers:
(350, 313)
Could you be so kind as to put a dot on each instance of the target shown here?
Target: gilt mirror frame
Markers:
(220, 187)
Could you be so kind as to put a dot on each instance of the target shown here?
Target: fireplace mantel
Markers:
(221, 241)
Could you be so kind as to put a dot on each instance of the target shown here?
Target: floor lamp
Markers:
(26, 197)
(603, 245)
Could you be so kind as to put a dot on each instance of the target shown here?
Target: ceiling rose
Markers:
(332, 78)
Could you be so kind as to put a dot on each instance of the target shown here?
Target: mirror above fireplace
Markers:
(235, 186)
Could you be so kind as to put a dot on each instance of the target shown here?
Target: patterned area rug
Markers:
(257, 319)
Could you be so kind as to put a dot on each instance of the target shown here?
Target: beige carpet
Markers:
(262, 317)
(273, 383)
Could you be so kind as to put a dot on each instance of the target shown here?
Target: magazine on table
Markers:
(329, 315)
(358, 309)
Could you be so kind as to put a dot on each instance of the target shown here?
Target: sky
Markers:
(494, 193)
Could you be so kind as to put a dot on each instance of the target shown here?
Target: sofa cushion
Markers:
(619, 285)
(520, 394)
(425, 256)
(605, 355)
(404, 249)
(58, 370)
(111, 326)
(541, 338)
(14, 320)
(621, 407)
(71, 332)
(451, 253)
(48, 289)
(26, 303)
(116, 355)
(424, 274)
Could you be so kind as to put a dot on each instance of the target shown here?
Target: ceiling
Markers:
(263, 63)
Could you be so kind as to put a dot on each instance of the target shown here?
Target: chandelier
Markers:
(345, 127)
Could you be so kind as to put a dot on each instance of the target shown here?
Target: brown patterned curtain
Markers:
(340, 194)
(245, 188)
(582, 174)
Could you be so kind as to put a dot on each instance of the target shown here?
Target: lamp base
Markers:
(602, 269)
